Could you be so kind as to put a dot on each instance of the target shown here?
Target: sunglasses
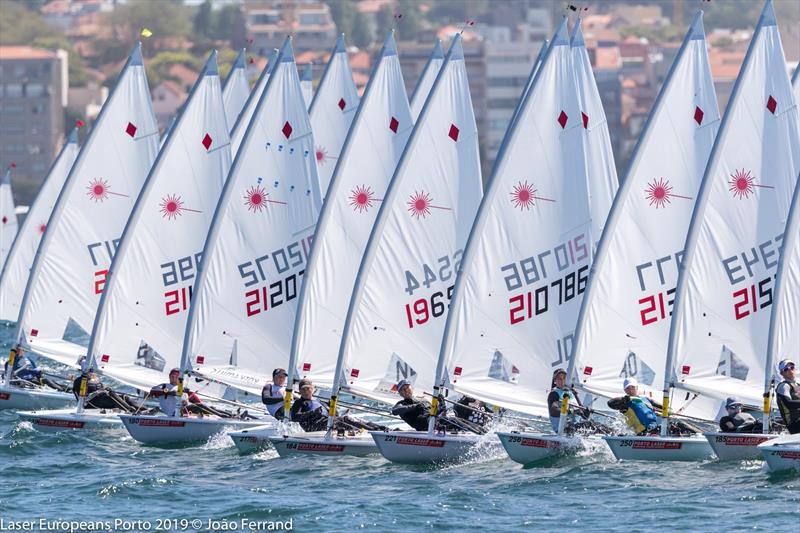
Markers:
(790, 366)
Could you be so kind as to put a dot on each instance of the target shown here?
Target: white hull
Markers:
(253, 439)
(633, 448)
(288, 445)
(149, 429)
(737, 446)
(418, 447)
(69, 420)
(527, 448)
(32, 399)
(782, 453)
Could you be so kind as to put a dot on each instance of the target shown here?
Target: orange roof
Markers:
(590, 22)
(311, 56)
(725, 64)
(373, 6)
(25, 52)
(606, 57)
(171, 86)
(183, 73)
(447, 32)
(360, 61)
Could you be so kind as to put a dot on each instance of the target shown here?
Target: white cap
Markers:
(629, 382)
(783, 363)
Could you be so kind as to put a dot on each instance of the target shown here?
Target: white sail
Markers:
(244, 118)
(71, 264)
(258, 243)
(138, 332)
(601, 169)
(374, 144)
(332, 111)
(8, 218)
(624, 321)
(426, 79)
(529, 251)
(726, 287)
(235, 90)
(15, 271)
(307, 83)
(796, 84)
(784, 328)
(399, 305)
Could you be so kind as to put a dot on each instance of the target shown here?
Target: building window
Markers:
(35, 90)
(14, 130)
(13, 109)
(37, 109)
(34, 149)
(15, 148)
(313, 18)
(13, 90)
(39, 167)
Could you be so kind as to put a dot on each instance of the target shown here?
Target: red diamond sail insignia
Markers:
(393, 124)
(698, 115)
(772, 104)
(287, 130)
(453, 133)
(585, 119)
(131, 129)
(207, 141)
(341, 104)
(562, 119)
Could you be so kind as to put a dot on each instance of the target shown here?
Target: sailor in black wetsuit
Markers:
(737, 421)
(312, 414)
(272, 393)
(415, 411)
(100, 397)
(788, 394)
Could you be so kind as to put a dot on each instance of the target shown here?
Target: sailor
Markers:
(312, 415)
(415, 412)
(737, 421)
(100, 397)
(556, 396)
(473, 411)
(638, 411)
(167, 394)
(788, 395)
(272, 393)
(26, 374)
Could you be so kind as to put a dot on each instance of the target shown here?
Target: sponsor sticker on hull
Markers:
(414, 441)
(311, 447)
(789, 455)
(56, 423)
(656, 445)
(753, 440)
(540, 443)
(5, 396)
(158, 423)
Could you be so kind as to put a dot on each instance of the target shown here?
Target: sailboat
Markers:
(519, 291)
(71, 263)
(14, 273)
(331, 112)
(397, 310)
(8, 218)
(426, 79)
(718, 333)
(258, 244)
(235, 90)
(783, 452)
(307, 83)
(376, 140)
(596, 182)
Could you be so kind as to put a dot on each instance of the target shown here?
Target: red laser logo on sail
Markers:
(171, 207)
(321, 155)
(420, 205)
(256, 199)
(361, 198)
(523, 196)
(98, 190)
(659, 193)
(742, 184)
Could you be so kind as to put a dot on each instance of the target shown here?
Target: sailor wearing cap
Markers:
(788, 395)
(272, 394)
(638, 411)
(737, 421)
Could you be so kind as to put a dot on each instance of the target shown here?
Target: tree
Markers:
(230, 25)
(20, 25)
(164, 19)
(203, 21)
(360, 34)
(384, 20)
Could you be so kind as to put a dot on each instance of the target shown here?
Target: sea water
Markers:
(105, 480)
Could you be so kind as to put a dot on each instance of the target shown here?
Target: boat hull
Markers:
(253, 439)
(782, 453)
(150, 429)
(289, 445)
(20, 399)
(737, 446)
(527, 448)
(656, 448)
(55, 420)
(418, 447)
